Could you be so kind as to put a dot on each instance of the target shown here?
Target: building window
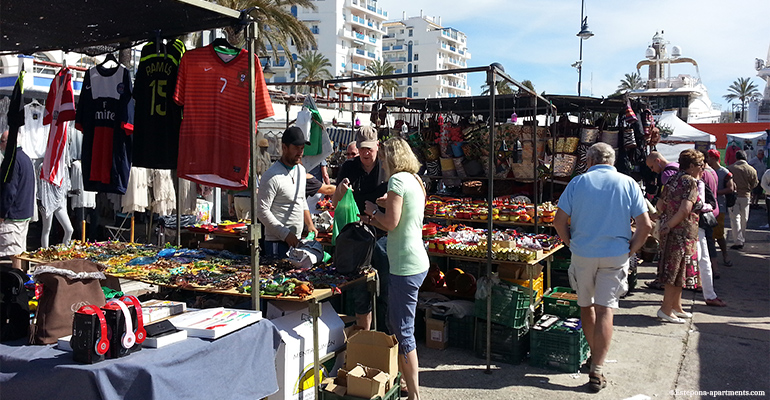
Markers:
(411, 32)
(315, 29)
(294, 11)
(416, 56)
(402, 31)
(415, 69)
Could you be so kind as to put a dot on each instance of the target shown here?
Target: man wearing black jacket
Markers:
(17, 199)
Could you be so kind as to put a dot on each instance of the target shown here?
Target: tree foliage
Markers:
(630, 82)
(742, 89)
(380, 68)
(313, 66)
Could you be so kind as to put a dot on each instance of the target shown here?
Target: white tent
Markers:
(683, 132)
(746, 136)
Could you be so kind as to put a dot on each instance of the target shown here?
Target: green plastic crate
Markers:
(510, 306)
(558, 348)
(393, 394)
(561, 307)
(508, 345)
(461, 331)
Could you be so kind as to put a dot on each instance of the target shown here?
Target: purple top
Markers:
(670, 170)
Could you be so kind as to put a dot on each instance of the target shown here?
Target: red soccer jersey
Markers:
(214, 138)
(59, 108)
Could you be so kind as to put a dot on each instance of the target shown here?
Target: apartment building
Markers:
(348, 32)
(421, 44)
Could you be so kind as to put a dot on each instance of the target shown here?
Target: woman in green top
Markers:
(404, 205)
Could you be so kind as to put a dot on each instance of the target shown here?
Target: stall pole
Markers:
(491, 75)
(254, 229)
(315, 311)
(179, 211)
(132, 228)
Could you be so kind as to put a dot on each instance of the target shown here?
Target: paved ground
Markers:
(721, 349)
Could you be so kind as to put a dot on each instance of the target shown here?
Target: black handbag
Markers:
(354, 247)
(707, 220)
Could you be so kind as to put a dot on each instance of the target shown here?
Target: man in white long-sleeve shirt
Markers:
(282, 205)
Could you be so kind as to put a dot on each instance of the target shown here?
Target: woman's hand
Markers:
(381, 201)
(664, 230)
(370, 208)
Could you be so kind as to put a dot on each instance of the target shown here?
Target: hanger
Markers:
(34, 102)
(107, 59)
(221, 45)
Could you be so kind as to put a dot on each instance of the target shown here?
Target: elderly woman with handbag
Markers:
(678, 208)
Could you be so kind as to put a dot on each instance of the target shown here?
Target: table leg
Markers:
(374, 289)
(315, 311)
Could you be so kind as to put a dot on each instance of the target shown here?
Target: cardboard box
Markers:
(375, 350)
(367, 382)
(155, 310)
(280, 308)
(294, 359)
(436, 333)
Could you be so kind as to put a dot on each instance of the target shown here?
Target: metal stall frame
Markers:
(492, 71)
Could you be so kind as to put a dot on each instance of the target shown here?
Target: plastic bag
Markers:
(345, 213)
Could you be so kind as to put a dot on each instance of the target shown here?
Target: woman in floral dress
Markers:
(678, 208)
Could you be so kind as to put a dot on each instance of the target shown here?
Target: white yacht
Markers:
(663, 91)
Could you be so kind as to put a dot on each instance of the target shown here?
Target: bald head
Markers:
(656, 162)
(352, 151)
(4, 140)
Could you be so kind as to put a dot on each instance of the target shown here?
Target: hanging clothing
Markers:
(157, 117)
(15, 117)
(214, 137)
(730, 153)
(51, 196)
(32, 137)
(163, 193)
(105, 116)
(81, 198)
(137, 197)
(59, 110)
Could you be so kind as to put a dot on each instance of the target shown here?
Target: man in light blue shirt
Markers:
(601, 204)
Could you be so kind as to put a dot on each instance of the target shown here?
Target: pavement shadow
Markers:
(503, 376)
(636, 321)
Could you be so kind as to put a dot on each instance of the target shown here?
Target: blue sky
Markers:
(536, 39)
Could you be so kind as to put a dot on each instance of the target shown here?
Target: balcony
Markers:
(360, 52)
(358, 67)
(372, 40)
(385, 48)
(359, 36)
(370, 54)
(452, 48)
(398, 47)
(395, 59)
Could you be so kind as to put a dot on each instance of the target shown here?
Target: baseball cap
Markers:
(714, 153)
(294, 136)
(367, 137)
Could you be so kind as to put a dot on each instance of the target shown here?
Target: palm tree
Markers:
(276, 26)
(380, 68)
(630, 82)
(528, 84)
(313, 66)
(501, 87)
(743, 89)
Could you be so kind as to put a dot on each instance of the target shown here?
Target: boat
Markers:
(663, 91)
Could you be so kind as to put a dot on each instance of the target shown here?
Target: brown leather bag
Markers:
(67, 285)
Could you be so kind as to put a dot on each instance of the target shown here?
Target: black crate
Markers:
(509, 345)
(461, 331)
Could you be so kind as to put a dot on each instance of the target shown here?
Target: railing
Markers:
(396, 59)
(452, 48)
(359, 35)
(359, 67)
(372, 40)
(385, 48)
(360, 52)
(398, 47)
(370, 54)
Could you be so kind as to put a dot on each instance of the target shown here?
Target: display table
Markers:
(236, 366)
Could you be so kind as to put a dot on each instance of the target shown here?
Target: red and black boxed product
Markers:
(89, 335)
(117, 332)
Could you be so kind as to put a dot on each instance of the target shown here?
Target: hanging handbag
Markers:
(355, 245)
(707, 219)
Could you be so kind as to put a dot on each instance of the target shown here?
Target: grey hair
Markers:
(601, 153)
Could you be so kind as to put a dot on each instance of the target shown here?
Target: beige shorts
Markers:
(13, 237)
(599, 280)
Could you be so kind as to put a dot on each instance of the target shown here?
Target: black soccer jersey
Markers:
(157, 117)
(105, 116)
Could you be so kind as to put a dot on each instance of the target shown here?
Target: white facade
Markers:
(421, 44)
(348, 32)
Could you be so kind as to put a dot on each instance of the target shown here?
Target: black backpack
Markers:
(354, 247)
(14, 304)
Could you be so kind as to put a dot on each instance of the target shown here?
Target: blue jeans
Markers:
(402, 306)
(276, 249)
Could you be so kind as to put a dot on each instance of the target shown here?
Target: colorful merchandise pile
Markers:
(507, 245)
(203, 269)
(506, 209)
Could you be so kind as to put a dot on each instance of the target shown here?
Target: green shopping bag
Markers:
(345, 213)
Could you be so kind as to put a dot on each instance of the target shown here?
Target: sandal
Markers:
(596, 383)
(716, 302)
(656, 285)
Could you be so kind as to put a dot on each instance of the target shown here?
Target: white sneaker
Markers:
(765, 226)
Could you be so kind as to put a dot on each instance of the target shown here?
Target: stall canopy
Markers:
(683, 132)
(95, 27)
(747, 136)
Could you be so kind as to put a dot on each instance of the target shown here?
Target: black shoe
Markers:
(737, 247)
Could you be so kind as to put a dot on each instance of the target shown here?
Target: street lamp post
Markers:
(584, 34)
